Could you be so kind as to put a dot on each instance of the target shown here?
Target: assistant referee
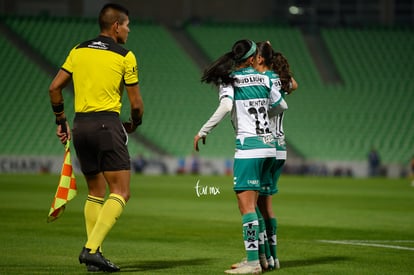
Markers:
(100, 69)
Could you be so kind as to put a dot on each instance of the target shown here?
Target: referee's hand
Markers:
(129, 127)
(63, 133)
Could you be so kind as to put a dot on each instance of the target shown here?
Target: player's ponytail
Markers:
(276, 62)
(219, 72)
(281, 66)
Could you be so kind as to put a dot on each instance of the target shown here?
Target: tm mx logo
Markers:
(205, 190)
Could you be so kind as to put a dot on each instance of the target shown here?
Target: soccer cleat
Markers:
(246, 268)
(263, 261)
(92, 268)
(270, 263)
(96, 260)
(236, 265)
(277, 264)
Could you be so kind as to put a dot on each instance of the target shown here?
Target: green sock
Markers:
(262, 232)
(271, 230)
(250, 236)
(267, 246)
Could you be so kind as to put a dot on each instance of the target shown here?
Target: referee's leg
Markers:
(119, 182)
(112, 209)
(94, 202)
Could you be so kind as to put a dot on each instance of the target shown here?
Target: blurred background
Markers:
(352, 115)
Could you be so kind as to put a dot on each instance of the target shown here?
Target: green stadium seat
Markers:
(372, 107)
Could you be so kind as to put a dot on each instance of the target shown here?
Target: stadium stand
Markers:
(375, 64)
(47, 37)
(342, 121)
(216, 39)
(24, 105)
(175, 102)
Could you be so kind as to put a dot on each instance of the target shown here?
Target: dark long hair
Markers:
(276, 62)
(220, 70)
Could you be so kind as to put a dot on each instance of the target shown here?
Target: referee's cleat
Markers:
(92, 268)
(97, 261)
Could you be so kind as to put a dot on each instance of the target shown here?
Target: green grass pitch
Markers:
(326, 226)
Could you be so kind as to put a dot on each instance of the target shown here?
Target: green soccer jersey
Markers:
(252, 93)
(276, 122)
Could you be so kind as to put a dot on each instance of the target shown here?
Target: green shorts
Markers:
(251, 174)
(269, 186)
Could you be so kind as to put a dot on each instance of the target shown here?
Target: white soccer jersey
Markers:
(276, 122)
(252, 93)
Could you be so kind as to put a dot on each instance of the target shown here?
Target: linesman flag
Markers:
(66, 189)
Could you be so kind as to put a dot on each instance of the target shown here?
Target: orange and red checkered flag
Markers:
(66, 189)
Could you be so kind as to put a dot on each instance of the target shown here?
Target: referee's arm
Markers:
(60, 81)
(137, 104)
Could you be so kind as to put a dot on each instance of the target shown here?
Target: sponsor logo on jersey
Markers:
(249, 80)
(98, 45)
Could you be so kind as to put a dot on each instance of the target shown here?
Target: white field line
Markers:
(372, 243)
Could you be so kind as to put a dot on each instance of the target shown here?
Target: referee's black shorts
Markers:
(100, 142)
